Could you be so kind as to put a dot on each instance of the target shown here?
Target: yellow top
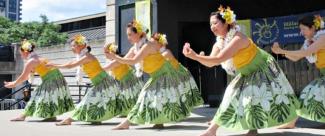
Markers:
(120, 71)
(92, 69)
(153, 62)
(320, 63)
(245, 56)
(174, 63)
(41, 69)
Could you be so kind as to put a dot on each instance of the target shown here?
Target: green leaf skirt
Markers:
(101, 102)
(51, 98)
(130, 87)
(260, 96)
(312, 100)
(161, 100)
(188, 84)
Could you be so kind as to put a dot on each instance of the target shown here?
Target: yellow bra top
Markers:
(41, 69)
(245, 56)
(92, 69)
(120, 71)
(320, 63)
(153, 62)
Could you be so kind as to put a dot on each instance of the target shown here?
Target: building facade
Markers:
(11, 9)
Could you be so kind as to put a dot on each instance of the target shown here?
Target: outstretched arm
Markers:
(29, 66)
(313, 48)
(131, 60)
(235, 45)
(71, 64)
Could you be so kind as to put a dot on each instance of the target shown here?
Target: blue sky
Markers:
(60, 9)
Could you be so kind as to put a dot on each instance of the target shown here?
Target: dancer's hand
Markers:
(202, 53)
(188, 52)
(276, 48)
(110, 55)
(9, 84)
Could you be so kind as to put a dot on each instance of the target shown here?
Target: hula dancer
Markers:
(100, 103)
(260, 95)
(192, 94)
(128, 84)
(52, 97)
(312, 97)
(160, 100)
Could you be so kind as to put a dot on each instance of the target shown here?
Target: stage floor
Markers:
(193, 126)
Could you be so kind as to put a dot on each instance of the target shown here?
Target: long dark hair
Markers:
(308, 21)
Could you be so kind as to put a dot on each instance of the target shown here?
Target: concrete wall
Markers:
(110, 21)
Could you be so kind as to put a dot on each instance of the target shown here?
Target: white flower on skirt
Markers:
(281, 98)
(284, 83)
(247, 94)
(103, 103)
(183, 98)
(320, 95)
(309, 93)
(55, 97)
(173, 96)
(157, 105)
(262, 96)
(111, 94)
(240, 110)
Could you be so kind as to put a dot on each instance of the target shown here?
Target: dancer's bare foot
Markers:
(290, 125)
(211, 131)
(64, 122)
(19, 118)
(158, 126)
(252, 133)
(49, 119)
(123, 125)
(208, 122)
(208, 133)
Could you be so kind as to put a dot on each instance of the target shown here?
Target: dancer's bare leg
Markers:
(65, 122)
(21, 117)
(290, 125)
(252, 133)
(123, 125)
(211, 131)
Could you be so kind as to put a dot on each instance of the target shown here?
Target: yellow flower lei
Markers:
(227, 14)
(138, 26)
(111, 47)
(26, 46)
(318, 22)
(79, 39)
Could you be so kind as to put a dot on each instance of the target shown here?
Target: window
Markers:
(13, 6)
(12, 16)
(2, 3)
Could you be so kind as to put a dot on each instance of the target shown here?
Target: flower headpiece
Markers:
(79, 39)
(140, 28)
(318, 22)
(26, 46)
(111, 47)
(227, 14)
(161, 38)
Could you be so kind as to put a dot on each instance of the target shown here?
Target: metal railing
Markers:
(26, 86)
(29, 87)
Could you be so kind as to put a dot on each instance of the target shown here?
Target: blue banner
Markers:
(285, 29)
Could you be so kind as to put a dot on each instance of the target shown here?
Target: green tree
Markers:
(43, 33)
